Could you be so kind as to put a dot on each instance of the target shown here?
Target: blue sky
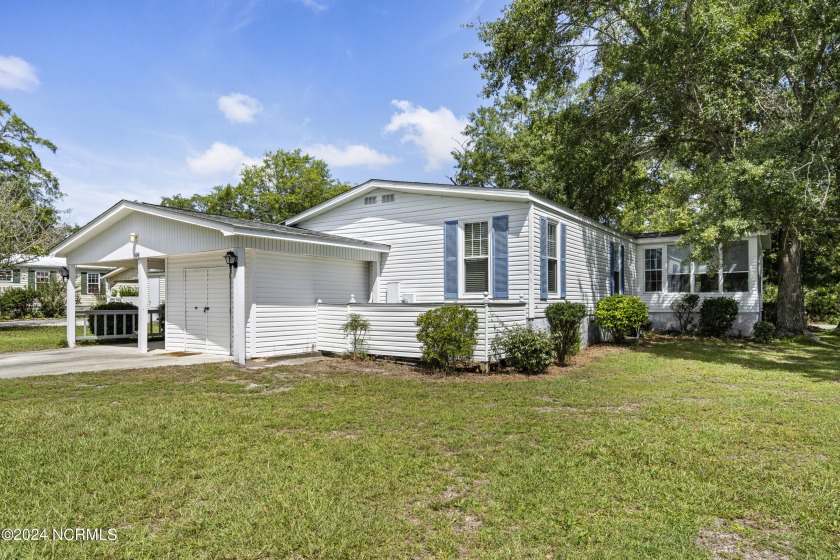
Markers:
(148, 99)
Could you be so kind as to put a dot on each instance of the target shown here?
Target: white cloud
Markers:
(313, 5)
(350, 156)
(239, 108)
(436, 133)
(16, 73)
(219, 159)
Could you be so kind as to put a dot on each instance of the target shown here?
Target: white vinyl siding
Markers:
(587, 262)
(287, 288)
(413, 226)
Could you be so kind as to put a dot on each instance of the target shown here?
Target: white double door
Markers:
(208, 304)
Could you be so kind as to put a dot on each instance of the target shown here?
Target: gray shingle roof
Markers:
(262, 226)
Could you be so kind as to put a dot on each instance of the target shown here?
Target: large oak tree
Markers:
(720, 116)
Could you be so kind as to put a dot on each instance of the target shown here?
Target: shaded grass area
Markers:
(660, 451)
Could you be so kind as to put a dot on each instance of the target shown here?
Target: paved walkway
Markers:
(94, 358)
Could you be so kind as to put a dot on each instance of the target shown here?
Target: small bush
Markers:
(717, 315)
(684, 309)
(356, 327)
(822, 305)
(128, 291)
(52, 297)
(763, 332)
(621, 315)
(770, 297)
(18, 302)
(105, 325)
(525, 349)
(448, 335)
(161, 317)
(564, 320)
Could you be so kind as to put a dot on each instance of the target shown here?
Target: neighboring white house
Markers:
(120, 278)
(40, 270)
(389, 251)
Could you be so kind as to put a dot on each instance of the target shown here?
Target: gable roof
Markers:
(227, 226)
(479, 193)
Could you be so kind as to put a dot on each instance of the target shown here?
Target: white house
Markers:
(35, 271)
(389, 251)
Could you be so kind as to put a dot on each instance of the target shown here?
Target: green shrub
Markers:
(356, 327)
(106, 325)
(525, 349)
(763, 332)
(448, 335)
(822, 305)
(128, 291)
(52, 297)
(18, 302)
(717, 315)
(684, 309)
(161, 317)
(621, 315)
(564, 319)
(770, 297)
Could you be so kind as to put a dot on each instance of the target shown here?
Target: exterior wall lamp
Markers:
(65, 273)
(134, 237)
(230, 259)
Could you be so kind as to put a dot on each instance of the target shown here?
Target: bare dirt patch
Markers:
(739, 540)
(326, 369)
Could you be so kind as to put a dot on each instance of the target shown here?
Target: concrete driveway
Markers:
(94, 358)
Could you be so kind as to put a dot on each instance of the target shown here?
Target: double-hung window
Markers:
(6, 276)
(476, 258)
(42, 277)
(679, 269)
(93, 282)
(736, 267)
(552, 258)
(653, 270)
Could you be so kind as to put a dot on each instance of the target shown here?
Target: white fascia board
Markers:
(124, 208)
(580, 218)
(375, 247)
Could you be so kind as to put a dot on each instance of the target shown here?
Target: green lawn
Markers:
(25, 339)
(675, 450)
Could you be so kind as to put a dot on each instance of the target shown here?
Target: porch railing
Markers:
(101, 324)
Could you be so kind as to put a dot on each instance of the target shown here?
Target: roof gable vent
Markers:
(370, 200)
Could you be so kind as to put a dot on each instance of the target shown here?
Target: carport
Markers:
(234, 287)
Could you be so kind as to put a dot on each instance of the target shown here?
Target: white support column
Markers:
(71, 305)
(143, 305)
(239, 303)
(375, 271)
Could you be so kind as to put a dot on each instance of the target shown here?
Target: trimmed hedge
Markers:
(448, 335)
(525, 349)
(621, 315)
(564, 319)
(717, 315)
(763, 332)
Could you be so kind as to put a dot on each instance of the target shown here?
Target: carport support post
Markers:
(71, 305)
(143, 305)
(239, 306)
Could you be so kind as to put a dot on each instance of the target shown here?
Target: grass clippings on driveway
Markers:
(682, 449)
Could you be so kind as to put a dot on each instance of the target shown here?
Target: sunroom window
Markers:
(476, 261)
(736, 267)
(653, 270)
(679, 269)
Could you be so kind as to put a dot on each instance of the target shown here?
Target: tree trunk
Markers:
(790, 307)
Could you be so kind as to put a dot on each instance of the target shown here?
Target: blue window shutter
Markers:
(612, 268)
(450, 259)
(500, 257)
(621, 264)
(562, 260)
(543, 258)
